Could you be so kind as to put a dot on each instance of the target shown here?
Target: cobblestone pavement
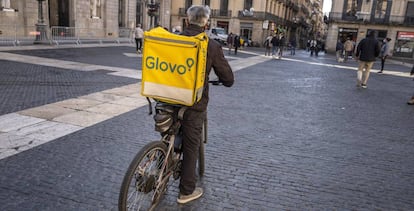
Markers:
(291, 134)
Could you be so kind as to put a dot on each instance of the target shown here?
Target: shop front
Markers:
(404, 44)
(344, 33)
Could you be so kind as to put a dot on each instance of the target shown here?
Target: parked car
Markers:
(218, 34)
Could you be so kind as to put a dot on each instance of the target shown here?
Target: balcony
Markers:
(361, 17)
(261, 16)
(217, 13)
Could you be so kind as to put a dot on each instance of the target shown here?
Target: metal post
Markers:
(41, 27)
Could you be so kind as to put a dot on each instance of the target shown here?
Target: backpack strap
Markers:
(181, 112)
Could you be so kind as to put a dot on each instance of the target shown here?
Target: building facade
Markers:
(354, 19)
(256, 19)
(251, 19)
(88, 18)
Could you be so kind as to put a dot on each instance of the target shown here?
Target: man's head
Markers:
(372, 34)
(198, 15)
(138, 25)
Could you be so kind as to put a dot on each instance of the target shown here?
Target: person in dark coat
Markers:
(236, 43)
(275, 45)
(411, 101)
(195, 115)
(230, 40)
(339, 50)
(367, 50)
(292, 46)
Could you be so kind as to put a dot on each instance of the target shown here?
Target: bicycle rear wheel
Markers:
(138, 189)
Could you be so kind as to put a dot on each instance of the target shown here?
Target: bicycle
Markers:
(147, 177)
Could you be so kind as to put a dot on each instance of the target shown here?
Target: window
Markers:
(207, 2)
(351, 7)
(380, 8)
(248, 4)
(409, 15)
(188, 4)
(224, 5)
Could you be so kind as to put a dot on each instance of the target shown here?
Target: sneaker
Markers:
(197, 193)
(411, 102)
(364, 86)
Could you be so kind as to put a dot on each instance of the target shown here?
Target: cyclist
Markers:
(194, 116)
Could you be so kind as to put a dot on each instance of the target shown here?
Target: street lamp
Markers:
(152, 11)
(41, 27)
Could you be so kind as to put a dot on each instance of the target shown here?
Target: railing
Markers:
(17, 35)
(88, 35)
(262, 16)
(221, 13)
(367, 17)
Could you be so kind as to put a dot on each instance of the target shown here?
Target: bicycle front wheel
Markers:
(139, 186)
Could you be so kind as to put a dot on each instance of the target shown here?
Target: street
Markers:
(291, 134)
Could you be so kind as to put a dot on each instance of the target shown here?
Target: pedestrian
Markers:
(275, 45)
(339, 51)
(367, 50)
(230, 40)
(349, 48)
(139, 34)
(267, 44)
(292, 46)
(411, 101)
(308, 45)
(282, 42)
(312, 47)
(195, 115)
(236, 43)
(385, 52)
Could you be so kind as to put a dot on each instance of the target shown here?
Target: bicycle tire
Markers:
(147, 182)
(201, 156)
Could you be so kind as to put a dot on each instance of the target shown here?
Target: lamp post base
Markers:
(41, 34)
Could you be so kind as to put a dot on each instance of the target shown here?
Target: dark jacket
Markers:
(339, 46)
(215, 60)
(275, 41)
(236, 41)
(368, 49)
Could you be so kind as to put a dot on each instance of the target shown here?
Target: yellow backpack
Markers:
(173, 66)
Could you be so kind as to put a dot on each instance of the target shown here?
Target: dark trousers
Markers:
(192, 129)
(138, 41)
(383, 62)
(235, 49)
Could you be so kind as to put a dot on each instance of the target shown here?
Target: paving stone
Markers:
(82, 118)
(47, 111)
(78, 103)
(15, 121)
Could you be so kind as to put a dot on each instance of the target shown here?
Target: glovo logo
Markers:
(154, 63)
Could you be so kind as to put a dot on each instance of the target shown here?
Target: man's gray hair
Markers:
(198, 15)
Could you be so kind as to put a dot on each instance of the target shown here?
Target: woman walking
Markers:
(385, 52)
